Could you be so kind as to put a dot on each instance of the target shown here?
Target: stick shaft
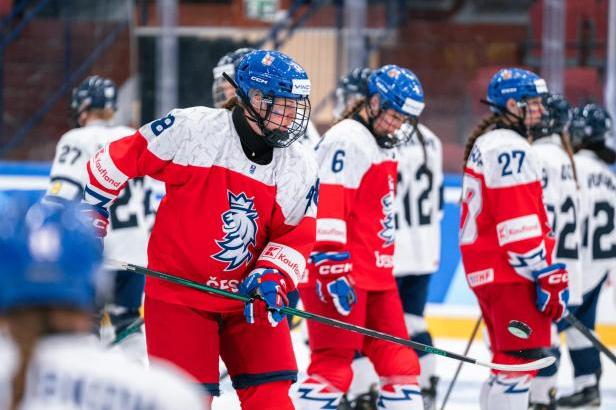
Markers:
(300, 313)
(575, 322)
(129, 330)
(326, 320)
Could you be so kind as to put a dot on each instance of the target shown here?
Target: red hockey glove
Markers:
(268, 289)
(551, 284)
(99, 217)
(333, 282)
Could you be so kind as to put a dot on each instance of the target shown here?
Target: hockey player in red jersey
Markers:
(505, 239)
(350, 272)
(238, 215)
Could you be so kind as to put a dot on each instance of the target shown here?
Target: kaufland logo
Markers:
(102, 172)
(294, 266)
(271, 251)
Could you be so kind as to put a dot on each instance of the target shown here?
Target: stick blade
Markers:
(115, 264)
(526, 367)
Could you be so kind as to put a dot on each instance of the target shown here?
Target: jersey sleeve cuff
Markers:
(284, 258)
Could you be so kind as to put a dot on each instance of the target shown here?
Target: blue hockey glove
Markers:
(333, 282)
(551, 284)
(267, 288)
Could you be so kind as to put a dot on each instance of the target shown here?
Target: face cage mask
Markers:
(537, 130)
(290, 119)
(519, 124)
(218, 92)
(396, 138)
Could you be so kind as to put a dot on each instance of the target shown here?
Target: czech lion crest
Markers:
(240, 228)
(387, 234)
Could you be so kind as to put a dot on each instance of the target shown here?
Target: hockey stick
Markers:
(535, 365)
(455, 376)
(575, 322)
(129, 330)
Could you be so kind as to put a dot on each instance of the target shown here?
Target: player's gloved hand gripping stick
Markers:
(332, 270)
(264, 286)
(535, 365)
(551, 284)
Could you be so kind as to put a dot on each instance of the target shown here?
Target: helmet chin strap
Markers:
(372, 118)
(520, 127)
(254, 116)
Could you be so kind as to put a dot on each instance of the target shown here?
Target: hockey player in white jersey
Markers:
(49, 279)
(223, 92)
(351, 89)
(419, 212)
(561, 198)
(94, 104)
(590, 131)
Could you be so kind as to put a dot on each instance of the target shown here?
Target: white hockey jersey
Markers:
(74, 372)
(129, 215)
(419, 206)
(562, 203)
(598, 199)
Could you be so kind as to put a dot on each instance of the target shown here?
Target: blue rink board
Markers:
(447, 285)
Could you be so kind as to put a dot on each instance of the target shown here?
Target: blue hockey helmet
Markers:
(95, 92)
(398, 88)
(227, 64)
(350, 88)
(515, 83)
(557, 115)
(284, 88)
(273, 74)
(50, 257)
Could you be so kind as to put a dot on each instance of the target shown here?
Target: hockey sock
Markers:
(399, 393)
(506, 391)
(543, 387)
(316, 393)
(364, 377)
(585, 359)
(426, 360)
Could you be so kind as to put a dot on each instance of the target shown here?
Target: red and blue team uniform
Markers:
(222, 217)
(506, 242)
(352, 265)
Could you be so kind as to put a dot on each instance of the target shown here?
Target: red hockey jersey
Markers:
(356, 202)
(504, 232)
(223, 215)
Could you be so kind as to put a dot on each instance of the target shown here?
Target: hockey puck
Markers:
(519, 329)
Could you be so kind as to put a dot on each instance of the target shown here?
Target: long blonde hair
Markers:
(352, 110)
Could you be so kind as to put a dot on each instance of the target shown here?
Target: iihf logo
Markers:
(240, 228)
(388, 223)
